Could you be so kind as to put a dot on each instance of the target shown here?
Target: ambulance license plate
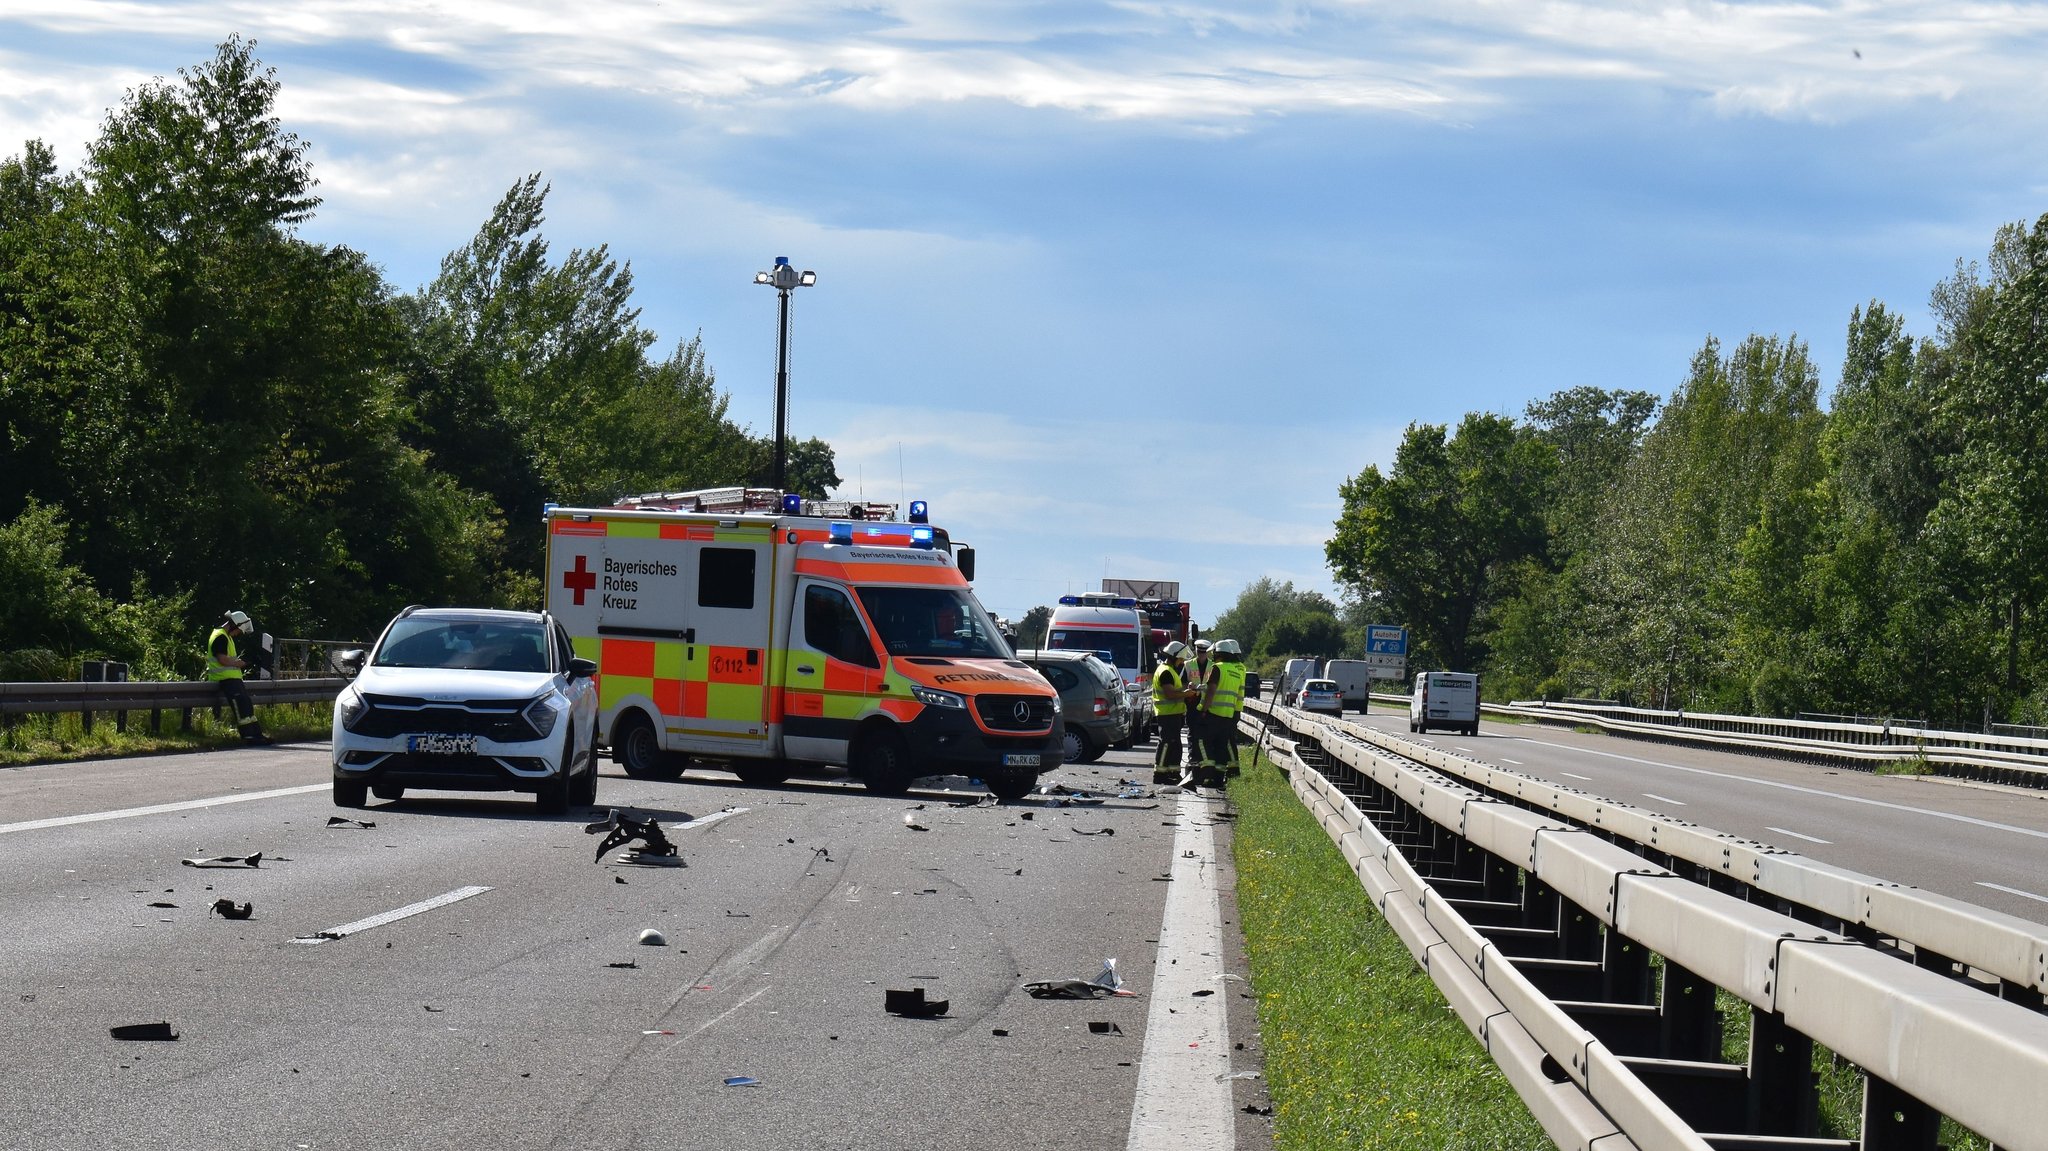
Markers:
(1020, 761)
(440, 744)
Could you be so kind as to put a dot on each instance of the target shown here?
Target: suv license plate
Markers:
(1020, 761)
(441, 744)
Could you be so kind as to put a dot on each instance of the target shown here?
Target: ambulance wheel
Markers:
(351, 793)
(1011, 784)
(766, 773)
(883, 762)
(636, 748)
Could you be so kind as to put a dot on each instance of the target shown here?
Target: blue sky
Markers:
(1128, 289)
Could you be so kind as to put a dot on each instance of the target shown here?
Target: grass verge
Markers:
(1361, 1049)
(62, 737)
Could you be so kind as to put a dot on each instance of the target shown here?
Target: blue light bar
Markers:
(1070, 600)
(919, 513)
(840, 533)
(792, 504)
(1126, 601)
(921, 538)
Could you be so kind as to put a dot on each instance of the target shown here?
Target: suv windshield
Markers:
(932, 621)
(1118, 646)
(472, 644)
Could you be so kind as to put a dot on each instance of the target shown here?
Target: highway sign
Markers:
(1384, 639)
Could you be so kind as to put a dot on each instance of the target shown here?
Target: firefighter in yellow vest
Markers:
(1222, 699)
(1170, 694)
(224, 667)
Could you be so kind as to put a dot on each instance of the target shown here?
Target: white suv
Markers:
(469, 699)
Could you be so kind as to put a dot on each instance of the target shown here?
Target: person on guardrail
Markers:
(1170, 692)
(224, 667)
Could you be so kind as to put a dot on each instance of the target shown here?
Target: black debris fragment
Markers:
(621, 829)
(1204, 991)
(345, 821)
(1024, 815)
(1099, 1027)
(229, 909)
(739, 915)
(627, 963)
(913, 1004)
(163, 903)
(1097, 831)
(432, 1008)
(618, 879)
(255, 860)
(144, 1032)
(1255, 1109)
(1106, 982)
(999, 1031)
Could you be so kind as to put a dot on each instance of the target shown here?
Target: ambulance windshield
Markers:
(932, 621)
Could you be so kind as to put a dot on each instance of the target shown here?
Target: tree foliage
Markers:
(201, 410)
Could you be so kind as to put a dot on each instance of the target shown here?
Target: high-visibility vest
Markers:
(1202, 668)
(215, 669)
(1229, 697)
(1166, 691)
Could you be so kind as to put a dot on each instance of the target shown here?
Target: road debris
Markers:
(163, 903)
(345, 821)
(742, 1081)
(999, 1032)
(652, 937)
(1255, 1109)
(1106, 982)
(144, 1032)
(1203, 991)
(1097, 831)
(910, 821)
(255, 860)
(628, 964)
(1098, 1027)
(229, 909)
(621, 829)
(913, 1004)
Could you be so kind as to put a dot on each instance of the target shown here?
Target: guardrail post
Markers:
(1540, 905)
(1895, 1121)
(1625, 972)
(1783, 1099)
(156, 720)
(1691, 1026)
(1578, 933)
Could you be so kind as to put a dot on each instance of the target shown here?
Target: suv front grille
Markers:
(499, 720)
(1000, 712)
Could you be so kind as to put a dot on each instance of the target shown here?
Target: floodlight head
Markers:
(762, 278)
(807, 279)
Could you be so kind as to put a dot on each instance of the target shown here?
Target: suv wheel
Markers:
(583, 793)
(351, 793)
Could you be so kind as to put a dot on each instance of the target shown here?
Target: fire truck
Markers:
(762, 632)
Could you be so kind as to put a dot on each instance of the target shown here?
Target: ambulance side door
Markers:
(725, 657)
(833, 673)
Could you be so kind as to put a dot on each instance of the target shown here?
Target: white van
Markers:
(1297, 672)
(1447, 700)
(1354, 680)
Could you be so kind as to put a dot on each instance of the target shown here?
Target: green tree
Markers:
(1299, 633)
(1032, 628)
(1260, 603)
(1429, 538)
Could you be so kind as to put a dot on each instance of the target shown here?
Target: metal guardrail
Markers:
(1541, 929)
(90, 699)
(2010, 759)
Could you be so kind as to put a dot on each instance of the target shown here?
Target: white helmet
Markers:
(1228, 647)
(238, 621)
(1174, 649)
(1201, 645)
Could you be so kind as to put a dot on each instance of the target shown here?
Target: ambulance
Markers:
(762, 632)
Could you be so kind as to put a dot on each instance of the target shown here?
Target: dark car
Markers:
(1092, 700)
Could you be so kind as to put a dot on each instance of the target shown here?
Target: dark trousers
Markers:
(245, 710)
(1166, 758)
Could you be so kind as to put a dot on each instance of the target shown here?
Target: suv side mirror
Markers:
(350, 662)
(963, 558)
(580, 668)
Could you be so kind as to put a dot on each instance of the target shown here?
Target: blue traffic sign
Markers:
(1381, 639)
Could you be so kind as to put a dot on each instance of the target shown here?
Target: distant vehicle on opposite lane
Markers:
(1354, 680)
(1321, 695)
(1445, 699)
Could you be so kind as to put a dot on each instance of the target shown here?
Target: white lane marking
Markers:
(1180, 1106)
(726, 1014)
(158, 808)
(1665, 799)
(1516, 762)
(1576, 775)
(714, 817)
(1908, 808)
(1466, 750)
(1797, 835)
(2012, 890)
(410, 909)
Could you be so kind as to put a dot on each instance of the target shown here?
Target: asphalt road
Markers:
(1987, 845)
(496, 1014)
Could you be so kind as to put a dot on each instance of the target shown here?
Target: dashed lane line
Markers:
(1798, 835)
(1576, 775)
(1665, 799)
(2012, 890)
(392, 916)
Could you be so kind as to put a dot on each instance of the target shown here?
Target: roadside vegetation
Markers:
(58, 738)
(1361, 1049)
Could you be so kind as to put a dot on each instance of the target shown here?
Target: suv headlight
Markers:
(540, 716)
(933, 697)
(349, 706)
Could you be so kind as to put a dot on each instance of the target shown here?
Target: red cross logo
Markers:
(581, 580)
